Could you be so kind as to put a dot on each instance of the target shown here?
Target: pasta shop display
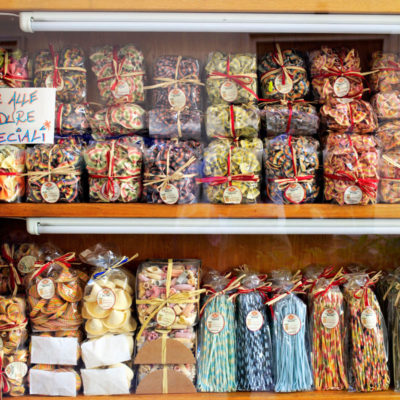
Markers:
(232, 121)
(254, 350)
(12, 168)
(166, 123)
(232, 171)
(389, 177)
(386, 68)
(170, 171)
(291, 168)
(386, 105)
(120, 73)
(368, 355)
(283, 75)
(231, 78)
(15, 69)
(64, 70)
(71, 119)
(114, 169)
(388, 135)
(54, 173)
(291, 117)
(336, 74)
(351, 169)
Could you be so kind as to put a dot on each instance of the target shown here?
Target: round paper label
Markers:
(122, 89)
(232, 195)
(215, 323)
(50, 192)
(16, 370)
(283, 88)
(291, 324)
(177, 99)
(45, 288)
(49, 83)
(341, 87)
(229, 91)
(108, 194)
(169, 194)
(329, 318)
(166, 316)
(106, 298)
(254, 321)
(295, 193)
(353, 195)
(25, 264)
(368, 318)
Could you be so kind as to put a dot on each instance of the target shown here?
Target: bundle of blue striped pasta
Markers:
(253, 337)
(292, 368)
(216, 356)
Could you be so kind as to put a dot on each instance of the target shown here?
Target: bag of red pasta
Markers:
(351, 169)
(389, 176)
(386, 72)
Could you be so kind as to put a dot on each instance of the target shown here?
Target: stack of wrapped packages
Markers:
(167, 300)
(291, 154)
(107, 309)
(114, 160)
(350, 153)
(54, 291)
(232, 160)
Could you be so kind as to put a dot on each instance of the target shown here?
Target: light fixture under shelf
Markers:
(37, 226)
(208, 22)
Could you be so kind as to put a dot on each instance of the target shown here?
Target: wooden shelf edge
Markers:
(251, 211)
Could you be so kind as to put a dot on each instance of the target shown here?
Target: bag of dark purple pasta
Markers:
(168, 123)
(177, 83)
(170, 172)
(71, 119)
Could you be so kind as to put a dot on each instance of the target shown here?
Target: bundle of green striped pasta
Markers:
(216, 356)
(253, 337)
(368, 370)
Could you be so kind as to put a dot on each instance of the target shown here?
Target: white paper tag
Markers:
(106, 298)
(177, 99)
(341, 87)
(291, 324)
(330, 318)
(353, 195)
(169, 194)
(25, 264)
(105, 381)
(106, 350)
(45, 288)
(50, 192)
(50, 383)
(166, 316)
(49, 83)
(122, 89)
(368, 318)
(16, 370)
(283, 88)
(110, 195)
(295, 193)
(229, 91)
(54, 350)
(215, 323)
(232, 195)
(254, 321)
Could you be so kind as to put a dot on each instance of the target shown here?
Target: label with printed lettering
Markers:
(50, 192)
(283, 87)
(232, 195)
(291, 324)
(353, 195)
(49, 83)
(169, 194)
(341, 87)
(177, 99)
(215, 323)
(229, 91)
(122, 89)
(295, 193)
(330, 318)
(369, 318)
(254, 320)
(166, 316)
(45, 288)
(108, 193)
(16, 370)
(26, 264)
(106, 298)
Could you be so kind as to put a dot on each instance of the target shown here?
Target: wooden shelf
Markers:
(260, 211)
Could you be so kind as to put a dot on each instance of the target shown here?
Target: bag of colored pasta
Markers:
(336, 74)
(114, 169)
(389, 176)
(386, 72)
(165, 122)
(232, 121)
(170, 172)
(386, 105)
(64, 70)
(291, 169)
(351, 169)
(120, 73)
(283, 75)
(231, 78)
(71, 119)
(232, 170)
(292, 117)
(177, 83)
(12, 166)
(368, 370)
(54, 173)
(108, 295)
(388, 135)
(15, 69)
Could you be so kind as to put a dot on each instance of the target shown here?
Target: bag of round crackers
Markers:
(108, 295)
